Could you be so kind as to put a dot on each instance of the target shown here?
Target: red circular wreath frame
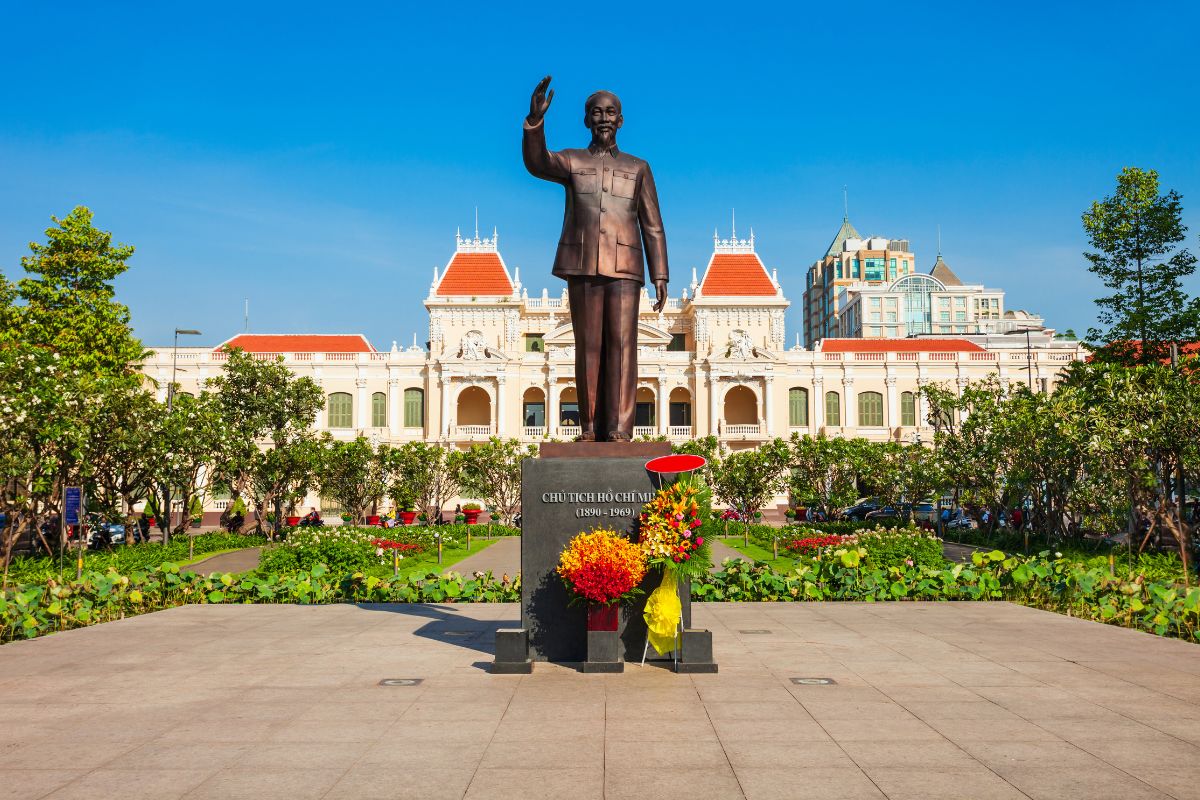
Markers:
(675, 463)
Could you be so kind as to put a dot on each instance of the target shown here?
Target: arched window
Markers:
(341, 410)
(870, 410)
(908, 409)
(379, 410)
(797, 407)
(833, 409)
(414, 408)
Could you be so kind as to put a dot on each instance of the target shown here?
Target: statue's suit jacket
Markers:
(612, 215)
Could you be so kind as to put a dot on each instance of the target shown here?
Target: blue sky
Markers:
(317, 158)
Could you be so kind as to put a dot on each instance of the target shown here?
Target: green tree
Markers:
(1136, 233)
(355, 474)
(492, 472)
(122, 444)
(431, 473)
(902, 473)
(195, 437)
(823, 471)
(269, 408)
(69, 303)
(750, 479)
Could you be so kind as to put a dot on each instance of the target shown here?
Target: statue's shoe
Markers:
(619, 437)
(586, 436)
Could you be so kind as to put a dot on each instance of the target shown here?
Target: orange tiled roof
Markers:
(470, 274)
(899, 346)
(736, 274)
(300, 343)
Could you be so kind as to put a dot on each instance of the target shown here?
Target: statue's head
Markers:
(602, 116)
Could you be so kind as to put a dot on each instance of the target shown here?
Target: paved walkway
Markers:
(501, 558)
(237, 561)
(929, 701)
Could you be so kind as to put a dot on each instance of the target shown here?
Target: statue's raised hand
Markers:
(540, 102)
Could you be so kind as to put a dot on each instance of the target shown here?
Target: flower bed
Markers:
(811, 545)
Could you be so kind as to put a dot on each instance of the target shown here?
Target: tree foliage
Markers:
(1136, 233)
(492, 472)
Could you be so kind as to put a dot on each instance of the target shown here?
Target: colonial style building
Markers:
(501, 362)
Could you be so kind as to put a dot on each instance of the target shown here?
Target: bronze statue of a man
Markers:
(611, 220)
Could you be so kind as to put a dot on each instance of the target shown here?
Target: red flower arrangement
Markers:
(602, 567)
(388, 544)
(811, 544)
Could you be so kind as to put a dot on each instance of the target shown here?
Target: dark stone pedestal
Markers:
(696, 654)
(572, 488)
(603, 652)
(512, 653)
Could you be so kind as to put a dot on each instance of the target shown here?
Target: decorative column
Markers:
(714, 405)
(922, 405)
(552, 419)
(663, 410)
(500, 405)
(893, 412)
(445, 421)
(818, 421)
(395, 423)
(362, 412)
(768, 404)
(847, 392)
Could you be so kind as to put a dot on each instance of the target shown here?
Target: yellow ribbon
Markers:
(663, 613)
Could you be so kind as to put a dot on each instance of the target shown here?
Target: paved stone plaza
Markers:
(936, 700)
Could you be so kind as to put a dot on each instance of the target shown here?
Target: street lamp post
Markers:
(170, 409)
(1028, 349)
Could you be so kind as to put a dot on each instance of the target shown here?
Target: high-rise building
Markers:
(850, 261)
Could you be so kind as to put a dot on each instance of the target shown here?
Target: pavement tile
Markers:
(808, 783)
(934, 753)
(84, 753)
(30, 784)
(1056, 783)
(942, 783)
(580, 751)
(537, 783)
(880, 730)
(635, 783)
(746, 755)
(415, 782)
(146, 784)
(636, 754)
(267, 784)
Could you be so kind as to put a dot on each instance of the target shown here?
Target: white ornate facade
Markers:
(500, 362)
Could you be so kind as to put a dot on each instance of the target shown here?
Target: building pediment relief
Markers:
(649, 336)
(473, 347)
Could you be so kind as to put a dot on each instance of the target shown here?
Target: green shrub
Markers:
(346, 548)
(128, 558)
(1042, 581)
(34, 610)
(895, 547)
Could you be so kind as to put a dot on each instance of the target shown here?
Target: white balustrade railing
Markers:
(533, 431)
(742, 430)
(679, 431)
(647, 431)
(474, 430)
(569, 431)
